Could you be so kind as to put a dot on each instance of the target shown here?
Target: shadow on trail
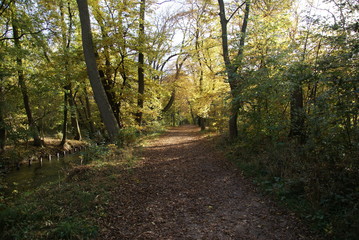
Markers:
(185, 189)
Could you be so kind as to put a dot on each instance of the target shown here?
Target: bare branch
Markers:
(235, 11)
(24, 34)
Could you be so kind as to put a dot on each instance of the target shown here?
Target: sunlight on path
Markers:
(186, 189)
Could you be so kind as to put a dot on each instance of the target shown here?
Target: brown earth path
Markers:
(184, 188)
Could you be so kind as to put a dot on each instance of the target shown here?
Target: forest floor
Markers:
(183, 187)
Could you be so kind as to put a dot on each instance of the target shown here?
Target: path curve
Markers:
(184, 188)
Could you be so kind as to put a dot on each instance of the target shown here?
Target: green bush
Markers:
(127, 136)
(93, 153)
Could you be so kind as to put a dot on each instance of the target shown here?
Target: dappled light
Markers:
(185, 119)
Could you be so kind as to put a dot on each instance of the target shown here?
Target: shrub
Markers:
(93, 153)
(127, 136)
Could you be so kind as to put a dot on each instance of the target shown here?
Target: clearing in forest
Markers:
(184, 188)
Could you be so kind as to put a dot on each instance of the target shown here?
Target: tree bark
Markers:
(141, 75)
(21, 80)
(106, 112)
(233, 66)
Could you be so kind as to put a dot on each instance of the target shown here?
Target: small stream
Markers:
(31, 177)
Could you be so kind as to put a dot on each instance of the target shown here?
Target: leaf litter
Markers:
(185, 188)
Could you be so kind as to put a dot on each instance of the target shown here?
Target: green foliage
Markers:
(313, 180)
(127, 136)
(94, 152)
(57, 211)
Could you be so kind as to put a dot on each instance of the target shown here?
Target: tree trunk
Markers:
(177, 75)
(233, 66)
(106, 112)
(21, 80)
(80, 113)
(109, 85)
(191, 111)
(75, 127)
(297, 117)
(170, 102)
(2, 122)
(64, 123)
(201, 120)
(69, 104)
(89, 114)
(202, 123)
(84, 113)
(141, 75)
(297, 112)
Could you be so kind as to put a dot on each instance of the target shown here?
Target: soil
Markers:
(184, 188)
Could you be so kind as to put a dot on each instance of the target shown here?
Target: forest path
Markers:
(184, 188)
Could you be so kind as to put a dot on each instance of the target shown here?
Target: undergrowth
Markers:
(315, 181)
(70, 208)
(66, 210)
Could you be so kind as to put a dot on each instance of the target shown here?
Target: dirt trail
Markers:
(185, 189)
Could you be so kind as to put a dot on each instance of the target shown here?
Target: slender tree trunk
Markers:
(201, 120)
(170, 102)
(84, 112)
(75, 127)
(21, 80)
(69, 104)
(297, 111)
(106, 112)
(89, 114)
(297, 115)
(191, 111)
(82, 119)
(141, 75)
(64, 123)
(109, 85)
(2, 121)
(177, 75)
(202, 123)
(233, 66)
